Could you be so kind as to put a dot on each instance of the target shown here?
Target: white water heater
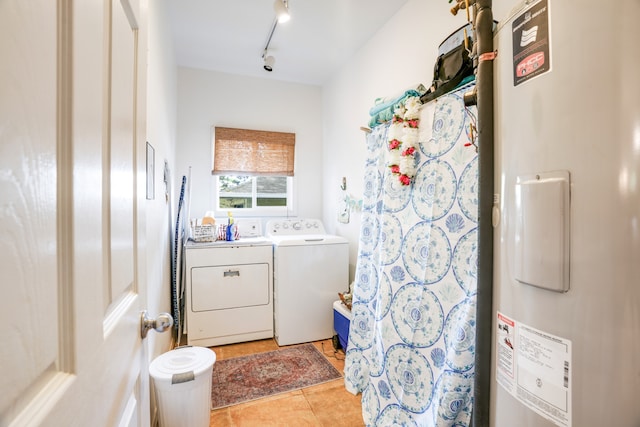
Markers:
(566, 329)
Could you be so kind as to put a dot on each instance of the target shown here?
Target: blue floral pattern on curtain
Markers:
(412, 334)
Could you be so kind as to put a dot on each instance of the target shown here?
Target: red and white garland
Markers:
(403, 139)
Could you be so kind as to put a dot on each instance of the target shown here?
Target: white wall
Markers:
(209, 98)
(400, 55)
(161, 134)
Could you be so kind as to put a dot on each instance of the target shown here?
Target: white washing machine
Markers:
(310, 267)
(229, 288)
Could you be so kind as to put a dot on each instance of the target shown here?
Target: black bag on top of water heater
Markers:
(453, 65)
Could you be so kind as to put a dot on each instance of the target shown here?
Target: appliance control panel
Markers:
(249, 227)
(294, 227)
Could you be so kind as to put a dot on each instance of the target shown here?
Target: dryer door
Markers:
(229, 286)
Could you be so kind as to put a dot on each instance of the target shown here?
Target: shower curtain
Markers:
(412, 333)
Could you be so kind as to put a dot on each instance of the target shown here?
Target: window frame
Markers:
(253, 137)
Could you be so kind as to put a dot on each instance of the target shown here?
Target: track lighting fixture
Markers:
(269, 61)
(282, 10)
(282, 15)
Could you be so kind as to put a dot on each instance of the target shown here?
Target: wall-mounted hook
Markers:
(344, 183)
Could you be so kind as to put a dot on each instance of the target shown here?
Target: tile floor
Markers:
(327, 404)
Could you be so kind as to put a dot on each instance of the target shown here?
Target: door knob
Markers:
(163, 322)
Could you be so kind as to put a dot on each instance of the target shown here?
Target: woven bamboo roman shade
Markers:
(253, 152)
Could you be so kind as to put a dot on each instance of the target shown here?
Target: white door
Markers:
(72, 171)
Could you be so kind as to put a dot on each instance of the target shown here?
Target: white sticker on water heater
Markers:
(505, 352)
(535, 367)
(543, 374)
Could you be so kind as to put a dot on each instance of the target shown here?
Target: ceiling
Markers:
(230, 35)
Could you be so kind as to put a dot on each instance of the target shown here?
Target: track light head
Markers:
(282, 10)
(269, 61)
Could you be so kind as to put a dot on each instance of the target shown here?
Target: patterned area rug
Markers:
(246, 378)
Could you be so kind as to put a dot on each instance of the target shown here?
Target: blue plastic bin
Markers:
(341, 321)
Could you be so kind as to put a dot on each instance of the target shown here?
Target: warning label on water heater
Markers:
(531, 43)
(534, 367)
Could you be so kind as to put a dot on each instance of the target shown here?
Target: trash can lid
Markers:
(182, 360)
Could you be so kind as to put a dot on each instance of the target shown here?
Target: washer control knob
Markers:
(297, 226)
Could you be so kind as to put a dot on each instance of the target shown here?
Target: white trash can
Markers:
(182, 383)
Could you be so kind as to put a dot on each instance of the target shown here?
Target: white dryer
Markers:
(310, 267)
(229, 292)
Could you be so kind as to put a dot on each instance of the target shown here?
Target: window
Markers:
(246, 192)
(253, 171)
